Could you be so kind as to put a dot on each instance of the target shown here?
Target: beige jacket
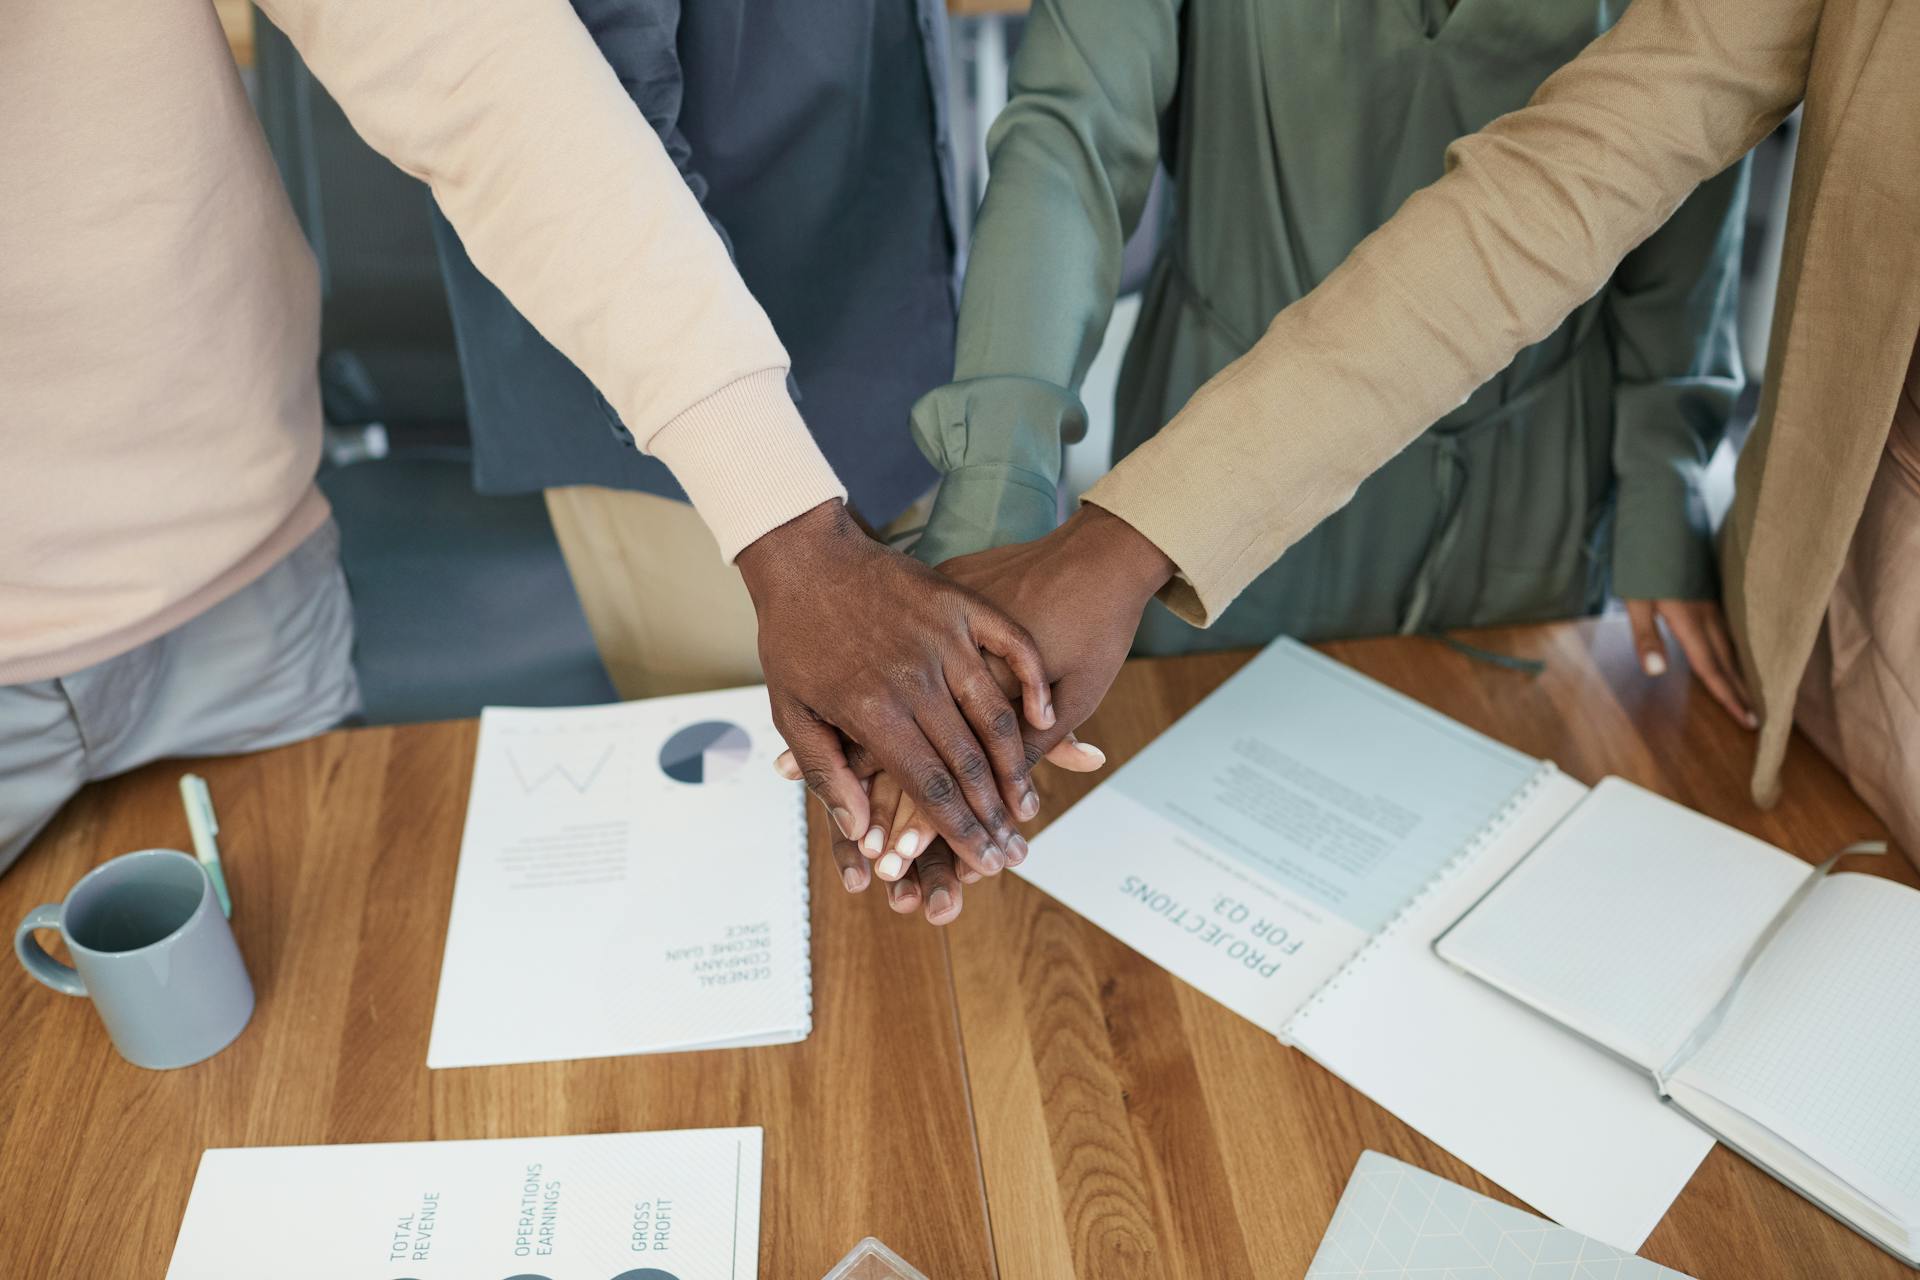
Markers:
(1532, 217)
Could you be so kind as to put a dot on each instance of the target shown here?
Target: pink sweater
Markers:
(159, 418)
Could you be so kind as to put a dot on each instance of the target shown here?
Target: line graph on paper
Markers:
(534, 770)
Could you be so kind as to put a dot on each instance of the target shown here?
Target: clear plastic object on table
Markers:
(871, 1260)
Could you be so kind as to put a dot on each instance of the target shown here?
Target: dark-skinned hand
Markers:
(859, 640)
(1079, 591)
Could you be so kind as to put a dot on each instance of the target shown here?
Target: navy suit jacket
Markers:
(815, 135)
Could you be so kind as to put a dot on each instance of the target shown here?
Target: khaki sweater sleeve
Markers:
(1534, 213)
(567, 201)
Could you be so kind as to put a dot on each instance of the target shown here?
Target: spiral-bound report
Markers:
(1292, 847)
(632, 879)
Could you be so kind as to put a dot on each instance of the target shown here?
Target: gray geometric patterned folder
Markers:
(1396, 1222)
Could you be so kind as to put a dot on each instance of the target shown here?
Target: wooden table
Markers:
(1019, 1096)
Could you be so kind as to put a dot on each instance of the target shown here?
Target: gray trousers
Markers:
(270, 664)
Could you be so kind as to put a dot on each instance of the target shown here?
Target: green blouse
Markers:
(1292, 129)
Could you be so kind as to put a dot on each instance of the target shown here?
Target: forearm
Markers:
(566, 199)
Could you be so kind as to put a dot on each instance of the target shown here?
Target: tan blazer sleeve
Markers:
(1533, 215)
(567, 201)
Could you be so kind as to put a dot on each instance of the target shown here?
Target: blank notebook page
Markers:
(1629, 920)
(1822, 1042)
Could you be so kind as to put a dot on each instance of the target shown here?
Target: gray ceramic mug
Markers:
(152, 950)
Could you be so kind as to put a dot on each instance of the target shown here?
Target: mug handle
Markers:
(61, 977)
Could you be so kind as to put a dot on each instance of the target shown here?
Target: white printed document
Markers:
(633, 879)
(614, 1206)
(1292, 847)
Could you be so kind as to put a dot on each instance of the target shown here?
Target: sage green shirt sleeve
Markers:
(1671, 312)
(1072, 157)
(1535, 213)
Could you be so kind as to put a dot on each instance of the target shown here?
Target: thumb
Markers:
(1646, 637)
(816, 755)
(1076, 756)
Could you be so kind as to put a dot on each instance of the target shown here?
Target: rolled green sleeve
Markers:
(1672, 312)
(998, 440)
(1072, 158)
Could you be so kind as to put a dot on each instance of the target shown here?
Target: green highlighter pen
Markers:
(205, 826)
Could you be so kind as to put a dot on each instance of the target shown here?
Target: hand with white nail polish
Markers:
(861, 644)
(1700, 628)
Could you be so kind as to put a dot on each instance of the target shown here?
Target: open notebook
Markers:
(1777, 1006)
(1292, 847)
(586, 919)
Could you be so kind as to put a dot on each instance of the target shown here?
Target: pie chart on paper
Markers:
(705, 752)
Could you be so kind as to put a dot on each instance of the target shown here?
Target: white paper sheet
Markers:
(1576, 1133)
(1258, 843)
(633, 879)
(1396, 1222)
(624, 1206)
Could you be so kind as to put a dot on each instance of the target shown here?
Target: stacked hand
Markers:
(1077, 593)
(860, 641)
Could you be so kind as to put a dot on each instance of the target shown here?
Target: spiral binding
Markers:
(803, 970)
(1495, 828)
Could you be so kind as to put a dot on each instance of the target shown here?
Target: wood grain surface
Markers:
(1131, 1127)
(341, 854)
(1019, 1096)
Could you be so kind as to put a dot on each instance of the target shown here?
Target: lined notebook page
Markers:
(1629, 921)
(1822, 1042)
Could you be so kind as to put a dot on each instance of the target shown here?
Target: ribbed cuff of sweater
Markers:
(746, 460)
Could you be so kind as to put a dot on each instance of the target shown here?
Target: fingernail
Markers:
(785, 766)
(992, 859)
(876, 840)
(938, 902)
(1029, 805)
(966, 873)
(1753, 721)
(1016, 851)
(852, 878)
(1654, 664)
(1099, 756)
(1046, 715)
(908, 844)
(891, 867)
(844, 820)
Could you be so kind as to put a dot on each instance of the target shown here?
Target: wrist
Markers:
(1118, 552)
(786, 551)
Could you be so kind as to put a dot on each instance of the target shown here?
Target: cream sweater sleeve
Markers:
(566, 200)
(1533, 215)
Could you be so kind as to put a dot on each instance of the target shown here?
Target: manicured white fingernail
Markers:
(891, 867)
(785, 766)
(1093, 753)
(875, 841)
(1654, 664)
(909, 843)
